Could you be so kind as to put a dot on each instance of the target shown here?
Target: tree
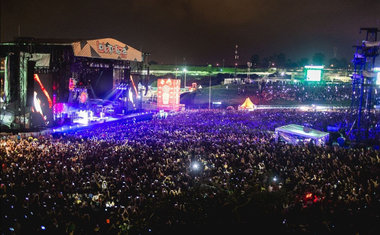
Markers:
(338, 63)
(334, 63)
(318, 58)
(290, 64)
(343, 63)
(266, 62)
(255, 60)
(303, 62)
(279, 59)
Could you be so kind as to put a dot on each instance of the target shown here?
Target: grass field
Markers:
(201, 70)
(236, 95)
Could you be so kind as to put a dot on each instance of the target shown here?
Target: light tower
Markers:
(236, 58)
(363, 81)
(249, 64)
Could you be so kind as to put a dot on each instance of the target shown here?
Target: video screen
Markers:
(313, 75)
(168, 94)
(42, 109)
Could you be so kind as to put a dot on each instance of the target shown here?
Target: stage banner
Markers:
(168, 94)
(106, 48)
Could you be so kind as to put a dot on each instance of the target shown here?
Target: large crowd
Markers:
(280, 92)
(194, 172)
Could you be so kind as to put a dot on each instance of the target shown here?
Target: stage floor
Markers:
(77, 126)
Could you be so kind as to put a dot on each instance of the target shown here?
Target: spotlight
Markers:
(275, 179)
(195, 166)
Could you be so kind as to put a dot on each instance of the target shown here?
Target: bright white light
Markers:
(130, 96)
(43, 227)
(314, 67)
(83, 117)
(313, 75)
(37, 105)
(275, 179)
(195, 166)
(184, 70)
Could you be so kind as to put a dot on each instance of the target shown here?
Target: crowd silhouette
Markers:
(196, 172)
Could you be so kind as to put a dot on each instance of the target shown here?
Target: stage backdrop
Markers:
(168, 91)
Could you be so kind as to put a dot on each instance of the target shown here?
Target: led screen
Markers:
(42, 110)
(313, 75)
(168, 94)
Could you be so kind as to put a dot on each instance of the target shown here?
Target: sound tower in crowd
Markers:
(363, 82)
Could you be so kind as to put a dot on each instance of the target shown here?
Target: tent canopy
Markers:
(292, 133)
(247, 104)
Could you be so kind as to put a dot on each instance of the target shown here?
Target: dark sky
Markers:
(200, 31)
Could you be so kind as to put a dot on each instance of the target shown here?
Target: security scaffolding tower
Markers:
(363, 81)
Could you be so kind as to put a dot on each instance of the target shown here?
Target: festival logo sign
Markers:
(106, 48)
(112, 49)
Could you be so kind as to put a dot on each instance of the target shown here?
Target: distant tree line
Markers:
(280, 60)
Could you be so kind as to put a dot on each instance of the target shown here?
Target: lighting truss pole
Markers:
(236, 59)
(209, 87)
(249, 64)
(363, 78)
(1, 20)
(184, 84)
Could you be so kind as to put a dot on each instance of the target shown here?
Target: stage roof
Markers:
(299, 130)
(102, 48)
(106, 48)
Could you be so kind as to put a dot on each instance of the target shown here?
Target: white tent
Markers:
(247, 105)
(295, 134)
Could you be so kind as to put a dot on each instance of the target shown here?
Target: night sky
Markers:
(200, 31)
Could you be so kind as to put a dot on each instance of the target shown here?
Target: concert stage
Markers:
(52, 83)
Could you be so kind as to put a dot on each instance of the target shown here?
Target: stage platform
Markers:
(142, 116)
